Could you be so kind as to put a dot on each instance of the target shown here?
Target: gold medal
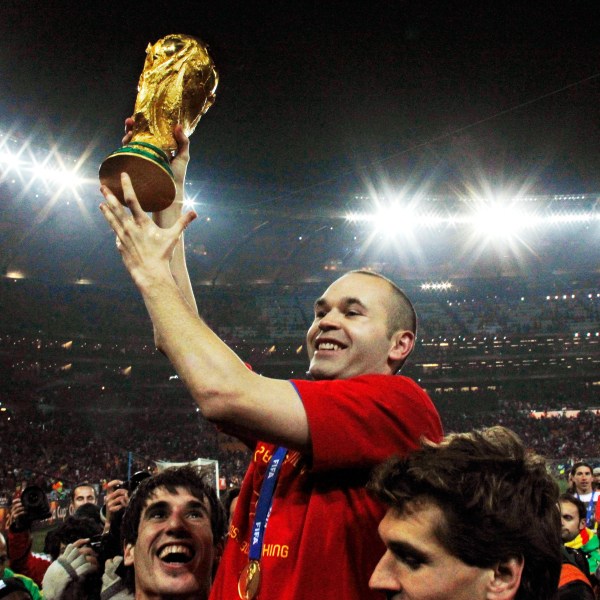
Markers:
(249, 581)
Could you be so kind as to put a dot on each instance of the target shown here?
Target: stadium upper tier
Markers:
(479, 333)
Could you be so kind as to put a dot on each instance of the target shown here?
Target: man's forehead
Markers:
(568, 507)
(178, 493)
(359, 286)
(419, 510)
(412, 531)
(84, 490)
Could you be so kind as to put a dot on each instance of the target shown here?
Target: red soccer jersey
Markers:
(321, 540)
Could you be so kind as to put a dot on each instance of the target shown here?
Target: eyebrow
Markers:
(406, 549)
(162, 505)
(347, 301)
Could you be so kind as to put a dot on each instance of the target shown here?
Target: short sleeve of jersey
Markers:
(359, 422)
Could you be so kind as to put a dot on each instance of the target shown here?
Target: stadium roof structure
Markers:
(51, 229)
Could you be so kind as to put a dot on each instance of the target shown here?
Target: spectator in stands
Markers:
(574, 532)
(173, 534)
(7, 573)
(450, 532)
(319, 438)
(581, 478)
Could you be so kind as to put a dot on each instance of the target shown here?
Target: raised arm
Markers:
(168, 217)
(228, 394)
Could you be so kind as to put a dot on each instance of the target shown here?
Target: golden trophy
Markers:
(177, 85)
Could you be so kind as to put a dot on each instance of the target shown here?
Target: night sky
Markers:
(325, 97)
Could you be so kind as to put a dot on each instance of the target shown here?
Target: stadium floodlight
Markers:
(15, 274)
(356, 217)
(440, 286)
(496, 220)
(10, 161)
(67, 178)
(394, 218)
(189, 203)
(565, 218)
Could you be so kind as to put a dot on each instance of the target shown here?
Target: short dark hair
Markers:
(498, 500)
(402, 314)
(581, 509)
(82, 484)
(70, 530)
(581, 463)
(186, 477)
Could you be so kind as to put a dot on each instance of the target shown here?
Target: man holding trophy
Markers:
(305, 526)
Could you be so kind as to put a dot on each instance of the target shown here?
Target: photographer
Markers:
(22, 513)
(88, 559)
(32, 505)
(74, 574)
(115, 503)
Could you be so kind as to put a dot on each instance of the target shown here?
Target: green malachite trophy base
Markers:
(150, 173)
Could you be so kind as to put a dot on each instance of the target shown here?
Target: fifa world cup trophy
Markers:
(177, 85)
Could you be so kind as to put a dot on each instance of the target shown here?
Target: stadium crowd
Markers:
(503, 306)
(81, 404)
(45, 327)
(94, 446)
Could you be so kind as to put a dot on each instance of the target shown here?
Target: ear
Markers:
(506, 580)
(582, 524)
(403, 343)
(128, 554)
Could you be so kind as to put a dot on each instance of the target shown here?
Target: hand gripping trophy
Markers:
(177, 85)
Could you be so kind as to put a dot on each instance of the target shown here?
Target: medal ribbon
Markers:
(265, 500)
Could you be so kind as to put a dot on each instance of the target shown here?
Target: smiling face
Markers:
(175, 550)
(350, 332)
(416, 566)
(582, 478)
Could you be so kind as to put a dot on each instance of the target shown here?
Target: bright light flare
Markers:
(435, 287)
(65, 178)
(10, 161)
(15, 274)
(390, 220)
(495, 220)
(189, 203)
(566, 218)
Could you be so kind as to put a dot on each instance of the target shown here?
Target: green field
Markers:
(38, 539)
